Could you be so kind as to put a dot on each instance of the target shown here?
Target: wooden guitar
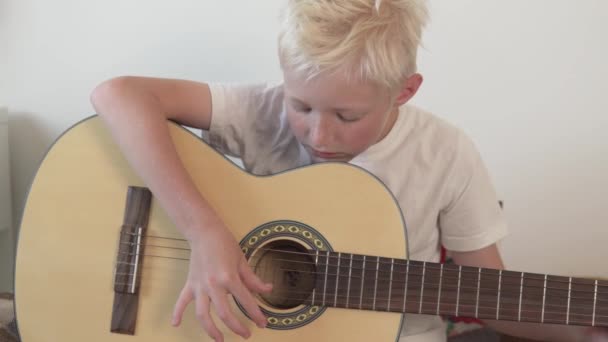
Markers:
(99, 260)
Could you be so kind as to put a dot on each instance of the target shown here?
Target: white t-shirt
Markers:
(432, 168)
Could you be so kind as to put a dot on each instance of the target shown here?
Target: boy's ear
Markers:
(409, 89)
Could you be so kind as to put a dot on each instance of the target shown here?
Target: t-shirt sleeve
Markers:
(472, 218)
(244, 118)
(232, 106)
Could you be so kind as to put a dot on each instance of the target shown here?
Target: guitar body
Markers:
(71, 228)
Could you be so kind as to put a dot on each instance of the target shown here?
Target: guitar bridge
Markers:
(129, 260)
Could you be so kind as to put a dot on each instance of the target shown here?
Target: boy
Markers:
(349, 69)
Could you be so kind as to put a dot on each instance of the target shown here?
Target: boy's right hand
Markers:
(218, 268)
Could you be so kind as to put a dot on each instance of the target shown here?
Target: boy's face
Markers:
(336, 120)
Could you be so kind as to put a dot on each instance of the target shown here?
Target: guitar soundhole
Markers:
(291, 270)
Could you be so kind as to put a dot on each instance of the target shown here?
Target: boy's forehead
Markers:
(341, 76)
(335, 99)
(334, 84)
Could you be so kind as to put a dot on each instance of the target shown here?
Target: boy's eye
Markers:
(300, 108)
(303, 109)
(346, 118)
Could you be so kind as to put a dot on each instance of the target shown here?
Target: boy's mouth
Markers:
(327, 155)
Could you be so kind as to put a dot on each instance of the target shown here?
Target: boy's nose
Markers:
(320, 132)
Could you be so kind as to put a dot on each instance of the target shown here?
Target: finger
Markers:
(224, 312)
(185, 297)
(202, 313)
(251, 280)
(242, 294)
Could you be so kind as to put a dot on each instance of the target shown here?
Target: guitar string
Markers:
(462, 308)
(397, 281)
(546, 310)
(446, 296)
(428, 266)
(329, 256)
(416, 303)
(505, 299)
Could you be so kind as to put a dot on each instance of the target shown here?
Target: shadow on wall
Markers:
(28, 143)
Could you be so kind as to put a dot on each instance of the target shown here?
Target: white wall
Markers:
(526, 79)
(6, 228)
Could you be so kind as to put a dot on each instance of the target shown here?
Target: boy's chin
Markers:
(344, 159)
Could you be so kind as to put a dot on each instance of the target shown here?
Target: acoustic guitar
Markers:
(99, 260)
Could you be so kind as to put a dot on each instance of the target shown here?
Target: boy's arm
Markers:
(136, 110)
(489, 257)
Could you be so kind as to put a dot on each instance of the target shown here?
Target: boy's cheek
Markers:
(298, 126)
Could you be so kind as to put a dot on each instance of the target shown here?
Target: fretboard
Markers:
(383, 284)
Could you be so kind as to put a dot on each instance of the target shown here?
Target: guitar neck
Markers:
(384, 284)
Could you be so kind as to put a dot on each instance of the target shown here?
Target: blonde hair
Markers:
(370, 40)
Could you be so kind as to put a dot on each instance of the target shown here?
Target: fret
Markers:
(458, 293)
(390, 286)
(430, 295)
(322, 264)
(370, 285)
(569, 295)
(362, 283)
(332, 279)
(376, 282)
(422, 287)
(510, 284)
(498, 296)
(369, 282)
(356, 288)
(532, 297)
(325, 281)
(398, 269)
(384, 272)
(487, 293)
(556, 300)
(439, 290)
(467, 301)
(478, 289)
(448, 299)
(314, 290)
(350, 272)
(337, 280)
(407, 273)
(521, 292)
(594, 303)
(581, 301)
(414, 286)
(542, 317)
(339, 266)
